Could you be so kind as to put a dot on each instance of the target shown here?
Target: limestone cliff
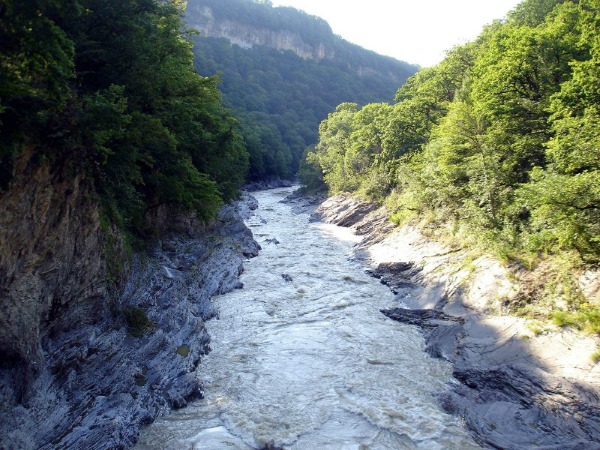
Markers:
(201, 18)
(249, 24)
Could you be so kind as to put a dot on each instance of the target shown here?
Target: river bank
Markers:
(101, 381)
(303, 359)
(518, 388)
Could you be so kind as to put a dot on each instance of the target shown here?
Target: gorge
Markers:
(303, 358)
(435, 284)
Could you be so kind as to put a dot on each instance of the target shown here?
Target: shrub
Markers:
(137, 321)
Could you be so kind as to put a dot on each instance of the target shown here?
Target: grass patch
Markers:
(537, 327)
(595, 357)
(587, 319)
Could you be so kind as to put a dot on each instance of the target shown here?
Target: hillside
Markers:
(282, 72)
(120, 170)
(108, 140)
(496, 148)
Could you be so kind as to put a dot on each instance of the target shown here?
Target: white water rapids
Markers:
(311, 363)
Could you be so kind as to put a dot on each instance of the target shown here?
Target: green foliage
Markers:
(502, 137)
(108, 87)
(36, 67)
(279, 97)
(499, 144)
(565, 211)
(137, 321)
(310, 173)
(183, 350)
(334, 141)
(587, 318)
(532, 12)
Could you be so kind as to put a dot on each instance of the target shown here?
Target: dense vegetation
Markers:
(279, 97)
(108, 88)
(500, 143)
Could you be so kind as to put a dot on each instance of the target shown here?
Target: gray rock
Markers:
(168, 273)
(72, 373)
(343, 211)
(272, 183)
(506, 396)
(246, 205)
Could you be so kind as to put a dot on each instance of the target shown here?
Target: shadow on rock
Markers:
(511, 393)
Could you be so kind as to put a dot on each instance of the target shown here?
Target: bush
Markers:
(137, 321)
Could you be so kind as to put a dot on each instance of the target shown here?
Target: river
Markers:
(302, 358)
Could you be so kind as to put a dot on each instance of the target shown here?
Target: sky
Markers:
(415, 31)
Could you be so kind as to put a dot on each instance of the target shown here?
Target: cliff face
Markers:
(83, 364)
(249, 24)
(201, 18)
(52, 266)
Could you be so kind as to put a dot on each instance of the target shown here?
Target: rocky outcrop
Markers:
(84, 366)
(342, 211)
(52, 266)
(254, 25)
(269, 183)
(201, 18)
(515, 389)
(366, 219)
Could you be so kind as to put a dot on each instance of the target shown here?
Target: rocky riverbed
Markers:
(518, 389)
(98, 383)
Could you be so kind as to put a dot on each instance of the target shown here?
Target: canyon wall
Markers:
(95, 343)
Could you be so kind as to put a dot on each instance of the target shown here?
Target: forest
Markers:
(497, 146)
(108, 88)
(114, 90)
(280, 97)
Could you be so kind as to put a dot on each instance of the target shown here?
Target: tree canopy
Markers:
(501, 137)
(280, 97)
(108, 88)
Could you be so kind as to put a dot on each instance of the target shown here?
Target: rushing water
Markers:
(311, 363)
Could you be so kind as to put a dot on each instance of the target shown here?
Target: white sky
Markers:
(415, 31)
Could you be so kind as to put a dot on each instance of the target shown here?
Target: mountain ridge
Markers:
(283, 71)
(313, 40)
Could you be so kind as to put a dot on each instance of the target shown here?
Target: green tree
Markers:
(334, 140)
(36, 67)
(564, 198)
(108, 87)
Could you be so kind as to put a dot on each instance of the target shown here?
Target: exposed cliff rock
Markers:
(250, 24)
(516, 389)
(245, 35)
(366, 219)
(270, 183)
(81, 365)
(52, 264)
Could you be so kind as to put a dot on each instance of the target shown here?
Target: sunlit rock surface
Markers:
(518, 389)
(303, 359)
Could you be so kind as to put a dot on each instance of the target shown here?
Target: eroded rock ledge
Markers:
(514, 389)
(83, 367)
